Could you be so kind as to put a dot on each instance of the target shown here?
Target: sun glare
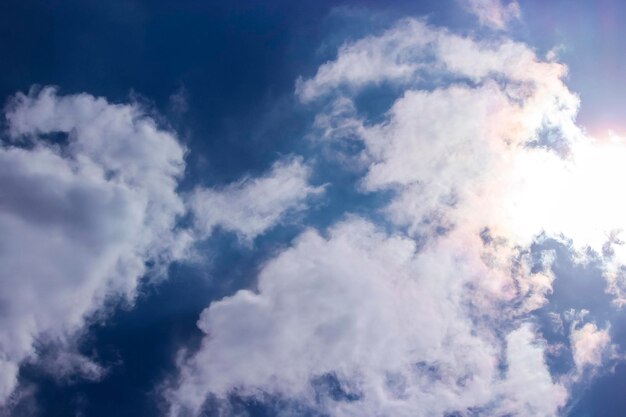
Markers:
(579, 197)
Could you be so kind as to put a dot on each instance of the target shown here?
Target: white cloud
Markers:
(529, 387)
(590, 345)
(79, 220)
(389, 57)
(81, 216)
(439, 148)
(475, 180)
(412, 51)
(392, 324)
(494, 13)
(253, 205)
(490, 153)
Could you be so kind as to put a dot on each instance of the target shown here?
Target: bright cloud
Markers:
(78, 220)
(388, 321)
(589, 344)
(429, 315)
(253, 205)
(482, 156)
(388, 57)
(88, 191)
(493, 13)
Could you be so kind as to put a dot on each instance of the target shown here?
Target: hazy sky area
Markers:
(587, 36)
(314, 208)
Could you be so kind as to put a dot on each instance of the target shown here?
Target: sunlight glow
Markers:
(579, 197)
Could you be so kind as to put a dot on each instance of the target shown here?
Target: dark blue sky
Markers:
(234, 64)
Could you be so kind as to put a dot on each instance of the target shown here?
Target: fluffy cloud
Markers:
(392, 324)
(432, 318)
(589, 345)
(253, 205)
(412, 51)
(88, 191)
(464, 157)
(487, 144)
(388, 57)
(493, 13)
(80, 217)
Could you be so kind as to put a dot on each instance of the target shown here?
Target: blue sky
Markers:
(328, 208)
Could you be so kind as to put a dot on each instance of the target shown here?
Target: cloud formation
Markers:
(493, 13)
(251, 206)
(429, 313)
(490, 142)
(88, 197)
(90, 206)
(434, 317)
(589, 345)
(389, 322)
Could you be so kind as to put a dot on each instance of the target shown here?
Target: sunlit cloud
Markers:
(80, 218)
(496, 14)
(90, 206)
(483, 159)
(253, 205)
(402, 257)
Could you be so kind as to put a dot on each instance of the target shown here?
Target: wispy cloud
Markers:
(253, 205)
(494, 13)
(589, 345)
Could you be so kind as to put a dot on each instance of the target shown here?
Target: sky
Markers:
(330, 208)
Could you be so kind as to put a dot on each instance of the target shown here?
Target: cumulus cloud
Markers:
(530, 390)
(477, 151)
(388, 57)
(485, 145)
(493, 13)
(88, 200)
(589, 345)
(458, 150)
(253, 205)
(412, 51)
(79, 217)
(388, 321)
